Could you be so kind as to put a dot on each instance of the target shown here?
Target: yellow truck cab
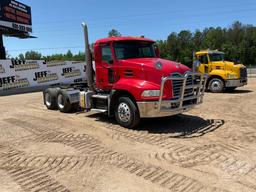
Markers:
(223, 75)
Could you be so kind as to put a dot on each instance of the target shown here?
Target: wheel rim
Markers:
(47, 99)
(124, 112)
(216, 85)
(61, 101)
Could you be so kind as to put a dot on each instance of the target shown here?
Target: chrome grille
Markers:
(177, 86)
(243, 73)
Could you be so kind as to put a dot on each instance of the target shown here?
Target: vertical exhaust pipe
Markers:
(193, 62)
(88, 55)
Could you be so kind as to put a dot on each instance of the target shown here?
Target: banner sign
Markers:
(15, 15)
(16, 74)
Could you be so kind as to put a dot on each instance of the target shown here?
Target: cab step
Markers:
(99, 110)
(100, 96)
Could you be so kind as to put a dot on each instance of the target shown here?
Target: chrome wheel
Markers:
(61, 101)
(47, 99)
(216, 85)
(124, 112)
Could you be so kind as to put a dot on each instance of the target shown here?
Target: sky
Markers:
(57, 23)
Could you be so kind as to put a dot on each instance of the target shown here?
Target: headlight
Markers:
(232, 76)
(151, 93)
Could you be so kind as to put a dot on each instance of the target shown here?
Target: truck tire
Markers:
(50, 98)
(63, 103)
(216, 85)
(126, 113)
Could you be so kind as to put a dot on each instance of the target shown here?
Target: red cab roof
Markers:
(111, 39)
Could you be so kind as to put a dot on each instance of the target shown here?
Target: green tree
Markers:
(79, 57)
(33, 55)
(68, 55)
(238, 41)
(114, 33)
(21, 57)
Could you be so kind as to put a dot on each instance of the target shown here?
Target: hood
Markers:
(229, 64)
(224, 62)
(149, 64)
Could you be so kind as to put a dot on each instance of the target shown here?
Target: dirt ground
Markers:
(211, 148)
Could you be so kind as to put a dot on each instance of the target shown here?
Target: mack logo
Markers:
(20, 65)
(178, 65)
(45, 76)
(70, 72)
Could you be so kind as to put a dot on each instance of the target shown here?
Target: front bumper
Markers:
(236, 83)
(179, 105)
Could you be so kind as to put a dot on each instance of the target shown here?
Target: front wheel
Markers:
(126, 113)
(216, 85)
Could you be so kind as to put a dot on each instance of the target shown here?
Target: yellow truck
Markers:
(223, 75)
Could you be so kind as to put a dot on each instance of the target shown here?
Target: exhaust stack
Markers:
(88, 55)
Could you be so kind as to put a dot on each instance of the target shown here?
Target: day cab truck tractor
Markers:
(223, 75)
(132, 82)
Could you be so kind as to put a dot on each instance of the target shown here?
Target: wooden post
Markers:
(2, 49)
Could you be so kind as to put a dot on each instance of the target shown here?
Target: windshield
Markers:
(134, 49)
(217, 57)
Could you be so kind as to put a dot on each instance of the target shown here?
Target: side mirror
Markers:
(196, 64)
(157, 51)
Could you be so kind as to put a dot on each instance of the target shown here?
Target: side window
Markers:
(106, 54)
(203, 59)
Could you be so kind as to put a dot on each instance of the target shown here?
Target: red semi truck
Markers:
(132, 82)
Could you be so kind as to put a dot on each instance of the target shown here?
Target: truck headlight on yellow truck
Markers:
(232, 76)
(151, 93)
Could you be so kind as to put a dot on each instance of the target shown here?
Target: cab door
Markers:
(204, 66)
(105, 69)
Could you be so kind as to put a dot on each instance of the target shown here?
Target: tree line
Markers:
(238, 42)
(34, 55)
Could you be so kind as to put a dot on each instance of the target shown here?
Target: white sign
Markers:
(16, 74)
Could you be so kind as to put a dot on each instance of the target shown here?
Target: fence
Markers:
(26, 76)
(251, 70)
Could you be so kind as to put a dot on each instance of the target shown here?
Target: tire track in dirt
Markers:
(59, 163)
(155, 174)
(28, 126)
(221, 156)
(98, 154)
(94, 148)
(34, 180)
(9, 132)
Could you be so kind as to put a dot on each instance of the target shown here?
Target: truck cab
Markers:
(223, 75)
(132, 82)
